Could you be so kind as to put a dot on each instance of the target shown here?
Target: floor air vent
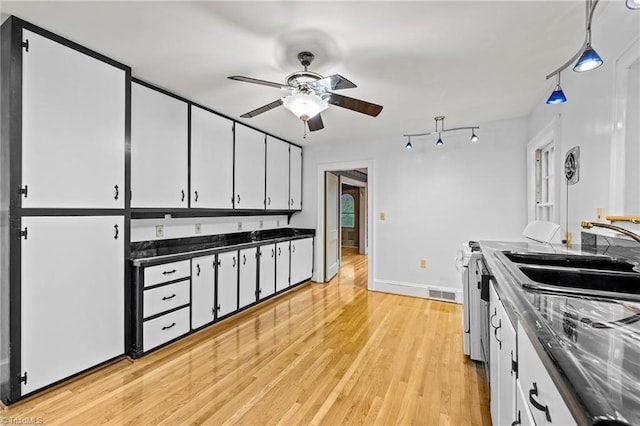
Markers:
(449, 296)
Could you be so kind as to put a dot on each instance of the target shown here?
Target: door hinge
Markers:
(25, 45)
(23, 379)
(22, 233)
(23, 191)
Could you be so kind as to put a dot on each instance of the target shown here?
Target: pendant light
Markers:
(557, 96)
(440, 130)
(408, 145)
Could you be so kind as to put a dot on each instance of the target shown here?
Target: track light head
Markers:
(439, 141)
(589, 60)
(408, 145)
(557, 96)
(474, 137)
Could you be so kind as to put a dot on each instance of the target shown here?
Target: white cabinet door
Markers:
(523, 415)
(249, 173)
(203, 281)
(267, 271)
(301, 260)
(277, 174)
(227, 283)
(158, 149)
(248, 274)
(72, 296)
(283, 251)
(545, 402)
(295, 178)
(73, 128)
(508, 354)
(211, 160)
(494, 356)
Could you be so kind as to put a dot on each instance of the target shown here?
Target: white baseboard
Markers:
(419, 290)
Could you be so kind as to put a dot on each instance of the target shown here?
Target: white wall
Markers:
(435, 199)
(587, 118)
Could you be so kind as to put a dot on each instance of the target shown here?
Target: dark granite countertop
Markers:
(147, 253)
(590, 346)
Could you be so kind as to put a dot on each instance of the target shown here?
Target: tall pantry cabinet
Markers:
(63, 200)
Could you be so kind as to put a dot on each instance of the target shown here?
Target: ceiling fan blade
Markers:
(333, 82)
(262, 109)
(315, 123)
(355, 104)
(261, 82)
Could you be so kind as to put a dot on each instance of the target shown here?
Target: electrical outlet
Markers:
(423, 263)
(261, 224)
(383, 216)
(239, 226)
(159, 231)
(600, 214)
(198, 228)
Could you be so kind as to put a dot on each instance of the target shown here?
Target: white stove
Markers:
(469, 254)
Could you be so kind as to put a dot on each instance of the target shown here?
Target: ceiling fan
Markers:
(311, 94)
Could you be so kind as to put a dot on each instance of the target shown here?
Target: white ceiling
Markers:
(472, 61)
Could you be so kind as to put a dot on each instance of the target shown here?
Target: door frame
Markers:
(319, 251)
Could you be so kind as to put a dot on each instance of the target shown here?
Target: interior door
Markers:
(332, 226)
(72, 296)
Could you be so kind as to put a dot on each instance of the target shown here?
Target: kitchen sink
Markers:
(571, 261)
(593, 280)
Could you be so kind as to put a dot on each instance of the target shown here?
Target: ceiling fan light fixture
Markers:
(305, 105)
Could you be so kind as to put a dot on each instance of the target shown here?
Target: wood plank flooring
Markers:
(325, 354)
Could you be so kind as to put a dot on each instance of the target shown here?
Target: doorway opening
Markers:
(346, 236)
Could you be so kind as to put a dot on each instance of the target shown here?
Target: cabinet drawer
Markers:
(162, 329)
(538, 387)
(166, 272)
(164, 298)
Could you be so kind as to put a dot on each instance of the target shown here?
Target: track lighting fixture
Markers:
(557, 96)
(409, 145)
(440, 130)
(587, 58)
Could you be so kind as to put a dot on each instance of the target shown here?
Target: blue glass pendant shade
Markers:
(557, 96)
(439, 142)
(588, 60)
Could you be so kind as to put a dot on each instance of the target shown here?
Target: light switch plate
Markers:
(159, 231)
(383, 216)
(198, 228)
(600, 214)
(423, 263)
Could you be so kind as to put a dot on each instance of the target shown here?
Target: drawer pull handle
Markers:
(545, 408)
(166, 327)
(173, 271)
(169, 297)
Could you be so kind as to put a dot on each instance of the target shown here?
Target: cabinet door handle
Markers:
(218, 308)
(491, 318)
(273, 252)
(166, 327)
(182, 195)
(244, 259)
(169, 297)
(291, 203)
(115, 197)
(116, 232)
(279, 251)
(196, 196)
(268, 201)
(293, 248)
(495, 334)
(545, 408)
(234, 262)
(517, 421)
(198, 268)
(238, 198)
(173, 271)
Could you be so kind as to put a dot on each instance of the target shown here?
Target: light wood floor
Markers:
(327, 354)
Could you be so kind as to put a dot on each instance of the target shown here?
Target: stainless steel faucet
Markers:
(588, 225)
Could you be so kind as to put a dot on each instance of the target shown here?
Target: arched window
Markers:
(348, 211)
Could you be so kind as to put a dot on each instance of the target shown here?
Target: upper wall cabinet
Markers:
(295, 178)
(277, 174)
(249, 174)
(73, 128)
(211, 160)
(159, 145)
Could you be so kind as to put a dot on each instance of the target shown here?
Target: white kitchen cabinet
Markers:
(248, 274)
(73, 128)
(211, 160)
(72, 296)
(283, 252)
(523, 414)
(277, 174)
(544, 402)
(203, 284)
(267, 283)
(301, 260)
(159, 136)
(227, 283)
(502, 354)
(249, 171)
(295, 178)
